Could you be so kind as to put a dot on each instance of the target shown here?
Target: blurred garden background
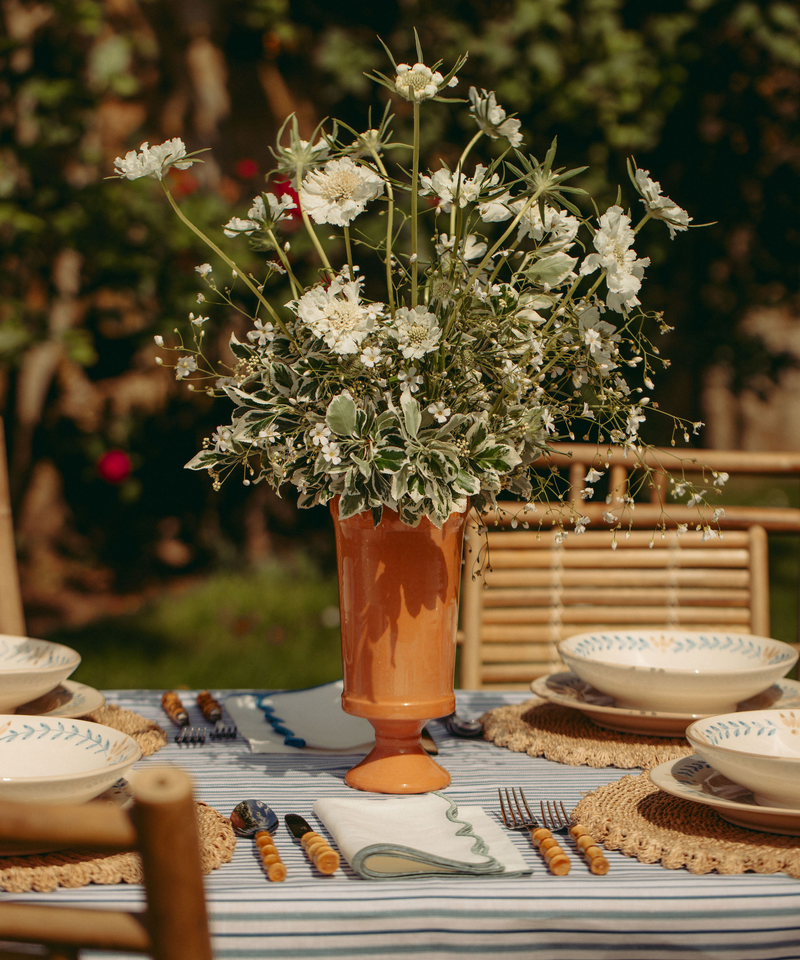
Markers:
(154, 577)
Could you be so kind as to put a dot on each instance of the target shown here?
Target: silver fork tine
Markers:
(557, 861)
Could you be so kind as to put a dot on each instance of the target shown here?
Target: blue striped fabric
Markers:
(638, 911)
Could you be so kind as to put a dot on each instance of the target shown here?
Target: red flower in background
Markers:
(247, 169)
(114, 466)
(184, 183)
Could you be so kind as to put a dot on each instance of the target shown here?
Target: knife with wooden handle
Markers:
(317, 848)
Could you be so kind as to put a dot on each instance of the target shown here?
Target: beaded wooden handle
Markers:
(590, 852)
(557, 861)
(173, 708)
(274, 867)
(211, 709)
(320, 852)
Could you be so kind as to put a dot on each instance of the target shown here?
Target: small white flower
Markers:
(720, 479)
(236, 225)
(593, 475)
(454, 187)
(593, 340)
(440, 411)
(339, 192)
(330, 451)
(204, 269)
(548, 422)
(153, 161)
(222, 438)
(696, 498)
(159, 340)
(370, 356)
(491, 117)
(417, 332)
(635, 417)
(319, 434)
(418, 82)
(581, 523)
(588, 412)
(185, 366)
(718, 514)
(709, 534)
(659, 206)
(269, 434)
(409, 379)
(263, 333)
(198, 321)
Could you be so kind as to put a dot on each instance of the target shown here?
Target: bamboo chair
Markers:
(524, 590)
(162, 827)
(12, 618)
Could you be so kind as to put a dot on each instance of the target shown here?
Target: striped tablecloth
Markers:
(637, 911)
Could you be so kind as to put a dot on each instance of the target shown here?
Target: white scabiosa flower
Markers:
(558, 229)
(491, 117)
(419, 82)
(613, 242)
(456, 188)
(339, 192)
(417, 332)
(153, 161)
(336, 314)
(659, 206)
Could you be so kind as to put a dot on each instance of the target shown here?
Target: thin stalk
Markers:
(286, 265)
(317, 244)
(247, 281)
(389, 229)
(414, 200)
(459, 167)
(346, 231)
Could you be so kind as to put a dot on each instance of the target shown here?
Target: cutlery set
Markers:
(253, 818)
(196, 736)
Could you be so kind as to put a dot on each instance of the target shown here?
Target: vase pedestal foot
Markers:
(398, 762)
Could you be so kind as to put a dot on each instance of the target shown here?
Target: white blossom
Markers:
(319, 434)
(455, 187)
(330, 451)
(417, 332)
(613, 242)
(336, 314)
(204, 269)
(159, 340)
(593, 475)
(419, 82)
(263, 333)
(440, 411)
(339, 192)
(370, 356)
(153, 161)
(409, 379)
(491, 117)
(659, 206)
(185, 366)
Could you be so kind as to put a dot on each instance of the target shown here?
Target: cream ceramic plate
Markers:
(70, 700)
(568, 690)
(691, 778)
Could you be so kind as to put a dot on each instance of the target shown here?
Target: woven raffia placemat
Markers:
(46, 871)
(633, 816)
(148, 734)
(567, 736)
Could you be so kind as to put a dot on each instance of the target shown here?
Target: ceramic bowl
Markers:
(53, 760)
(30, 668)
(758, 749)
(677, 671)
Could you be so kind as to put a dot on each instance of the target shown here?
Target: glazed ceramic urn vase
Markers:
(398, 598)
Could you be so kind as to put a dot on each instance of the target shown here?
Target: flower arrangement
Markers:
(507, 316)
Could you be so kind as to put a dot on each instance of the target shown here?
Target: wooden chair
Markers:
(12, 618)
(162, 827)
(524, 590)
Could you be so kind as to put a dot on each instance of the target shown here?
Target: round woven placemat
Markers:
(567, 736)
(148, 734)
(633, 816)
(45, 871)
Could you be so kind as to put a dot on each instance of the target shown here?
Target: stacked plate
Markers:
(48, 754)
(725, 692)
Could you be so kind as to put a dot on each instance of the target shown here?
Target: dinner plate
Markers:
(69, 700)
(119, 794)
(291, 720)
(568, 690)
(691, 778)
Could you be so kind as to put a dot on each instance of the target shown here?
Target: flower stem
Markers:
(247, 281)
(346, 232)
(457, 177)
(286, 265)
(414, 201)
(389, 229)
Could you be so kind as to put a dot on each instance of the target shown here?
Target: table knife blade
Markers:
(317, 848)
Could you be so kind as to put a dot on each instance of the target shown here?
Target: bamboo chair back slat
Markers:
(162, 828)
(12, 617)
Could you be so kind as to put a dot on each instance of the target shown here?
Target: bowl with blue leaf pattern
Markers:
(56, 760)
(758, 749)
(677, 671)
(30, 668)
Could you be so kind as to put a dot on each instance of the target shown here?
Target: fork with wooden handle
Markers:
(561, 822)
(557, 861)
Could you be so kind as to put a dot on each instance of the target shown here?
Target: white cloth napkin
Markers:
(385, 838)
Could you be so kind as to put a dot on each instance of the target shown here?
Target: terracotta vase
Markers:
(398, 598)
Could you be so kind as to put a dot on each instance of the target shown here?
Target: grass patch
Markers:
(273, 627)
